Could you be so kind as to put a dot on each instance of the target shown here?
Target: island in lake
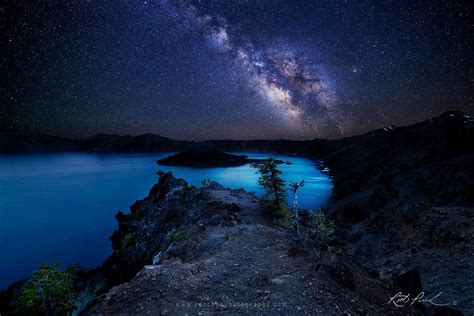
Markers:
(208, 158)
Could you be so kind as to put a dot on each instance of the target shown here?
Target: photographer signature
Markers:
(400, 299)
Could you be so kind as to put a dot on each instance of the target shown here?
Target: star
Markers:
(213, 70)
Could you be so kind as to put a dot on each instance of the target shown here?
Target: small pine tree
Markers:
(322, 224)
(49, 292)
(274, 186)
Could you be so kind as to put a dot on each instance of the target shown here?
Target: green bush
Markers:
(286, 216)
(321, 224)
(188, 188)
(48, 292)
(127, 240)
(178, 235)
(185, 195)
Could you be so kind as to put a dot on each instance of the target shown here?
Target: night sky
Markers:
(232, 69)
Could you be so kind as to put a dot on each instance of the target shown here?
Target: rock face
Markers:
(402, 200)
(172, 212)
(436, 242)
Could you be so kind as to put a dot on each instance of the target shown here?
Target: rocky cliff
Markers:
(403, 200)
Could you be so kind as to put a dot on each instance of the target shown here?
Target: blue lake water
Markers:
(61, 206)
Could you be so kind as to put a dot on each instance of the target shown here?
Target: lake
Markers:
(61, 206)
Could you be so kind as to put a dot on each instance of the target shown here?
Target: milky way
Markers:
(286, 79)
(232, 69)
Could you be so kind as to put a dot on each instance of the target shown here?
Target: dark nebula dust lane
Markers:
(240, 69)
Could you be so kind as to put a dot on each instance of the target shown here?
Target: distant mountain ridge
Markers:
(26, 142)
(18, 142)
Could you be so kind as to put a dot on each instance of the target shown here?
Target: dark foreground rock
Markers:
(174, 211)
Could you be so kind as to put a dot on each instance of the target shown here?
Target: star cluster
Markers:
(232, 69)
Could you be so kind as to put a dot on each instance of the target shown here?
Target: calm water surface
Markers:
(61, 206)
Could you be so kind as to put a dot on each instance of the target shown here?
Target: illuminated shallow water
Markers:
(61, 206)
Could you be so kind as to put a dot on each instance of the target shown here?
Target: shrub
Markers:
(188, 188)
(322, 224)
(48, 292)
(127, 240)
(286, 217)
(178, 235)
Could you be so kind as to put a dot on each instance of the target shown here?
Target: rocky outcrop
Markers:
(184, 250)
(173, 211)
